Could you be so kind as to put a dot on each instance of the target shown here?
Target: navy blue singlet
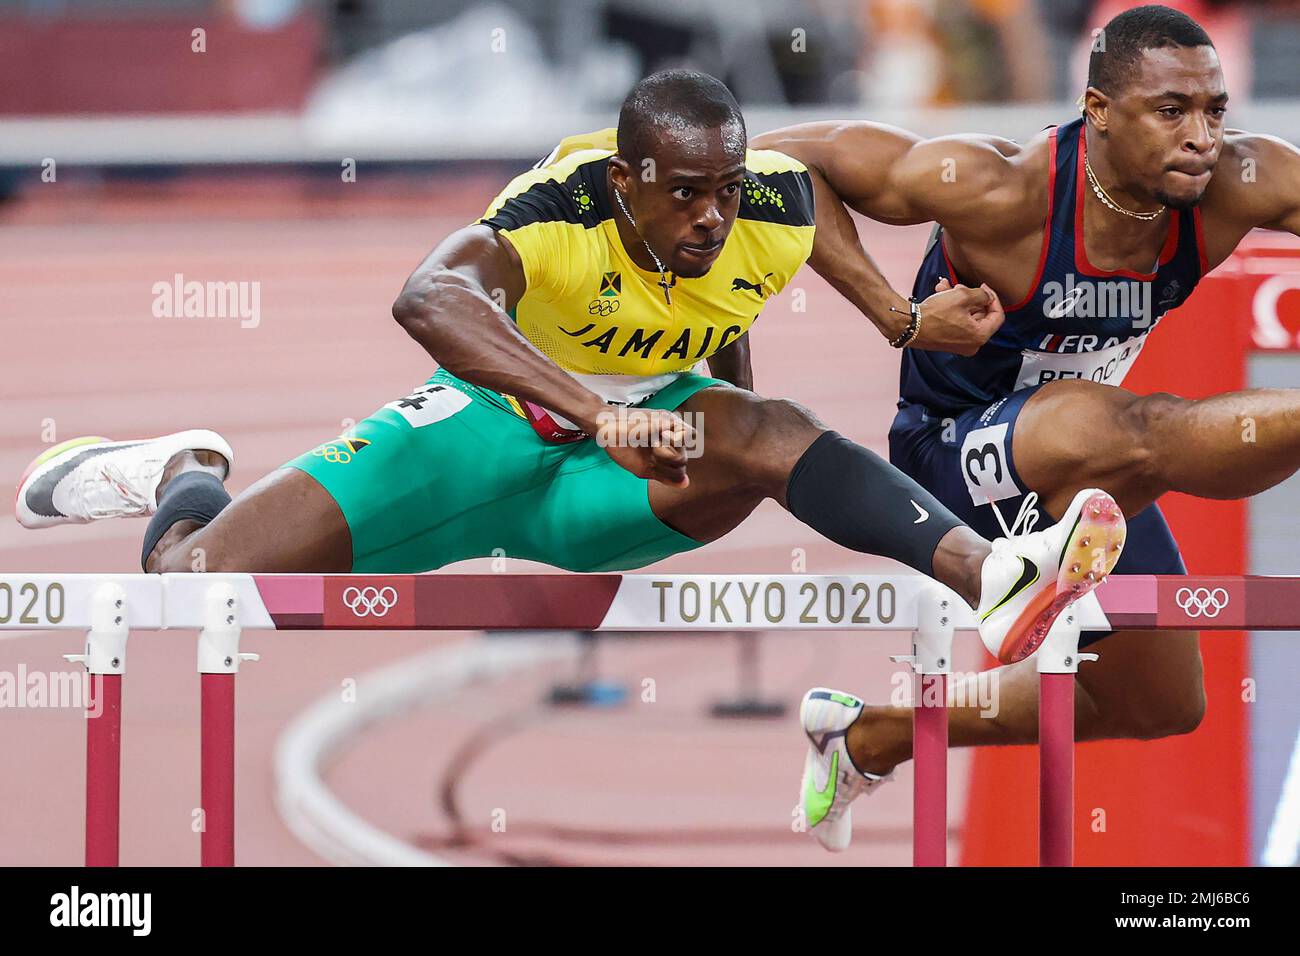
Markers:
(1077, 321)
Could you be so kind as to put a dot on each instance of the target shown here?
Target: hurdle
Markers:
(220, 607)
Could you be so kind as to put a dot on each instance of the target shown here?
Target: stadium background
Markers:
(319, 149)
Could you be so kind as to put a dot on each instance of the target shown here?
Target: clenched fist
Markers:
(649, 442)
(958, 320)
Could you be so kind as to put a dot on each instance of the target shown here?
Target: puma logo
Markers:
(740, 285)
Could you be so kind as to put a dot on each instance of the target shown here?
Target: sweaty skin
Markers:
(456, 304)
(1159, 141)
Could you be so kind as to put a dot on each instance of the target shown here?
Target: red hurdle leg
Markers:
(217, 774)
(930, 757)
(1056, 769)
(219, 660)
(1057, 663)
(931, 658)
(105, 662)
(103, 768)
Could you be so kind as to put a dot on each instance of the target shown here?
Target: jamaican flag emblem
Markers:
(341, 450)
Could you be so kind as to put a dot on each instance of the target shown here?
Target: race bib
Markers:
(984, 465)
(1106, 366)
(429, 404)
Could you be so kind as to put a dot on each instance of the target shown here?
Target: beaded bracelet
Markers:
(913, 329)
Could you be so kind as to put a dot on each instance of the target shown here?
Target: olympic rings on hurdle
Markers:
(1201, 602)
(370, 601)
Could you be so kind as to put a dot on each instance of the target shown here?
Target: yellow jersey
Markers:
(590, 309)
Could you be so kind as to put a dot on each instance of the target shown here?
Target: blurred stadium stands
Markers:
(158, 82)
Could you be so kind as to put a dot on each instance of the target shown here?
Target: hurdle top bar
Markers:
(610, 602)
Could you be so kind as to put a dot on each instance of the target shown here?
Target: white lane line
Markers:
(1282, 848)
(310, 809)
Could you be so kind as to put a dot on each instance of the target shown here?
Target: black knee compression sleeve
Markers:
(194, 495)
(857, 499)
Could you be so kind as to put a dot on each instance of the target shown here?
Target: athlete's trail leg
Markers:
(285, 522)
(1145, 685)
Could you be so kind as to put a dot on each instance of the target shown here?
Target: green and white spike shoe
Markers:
(830, 780)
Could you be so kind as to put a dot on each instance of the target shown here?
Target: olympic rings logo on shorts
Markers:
(364, 602)
(603, 306)
(333, 453)
(1201, 602)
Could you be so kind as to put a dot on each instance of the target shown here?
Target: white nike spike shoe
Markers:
(86, 479)
(1030, 579)
(830, 780)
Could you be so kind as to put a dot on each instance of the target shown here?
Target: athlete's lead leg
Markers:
(753, 448)
(1073, 435)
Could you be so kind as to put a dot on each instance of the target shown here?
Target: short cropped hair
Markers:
(675, 99)
(1113, 64)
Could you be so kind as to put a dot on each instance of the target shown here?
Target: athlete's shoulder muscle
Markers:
(1256, 183)
(978, 187)
(895, 176)
(852, 157)
(474, 257)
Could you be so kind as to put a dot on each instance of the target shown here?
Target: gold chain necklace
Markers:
(1112, 204)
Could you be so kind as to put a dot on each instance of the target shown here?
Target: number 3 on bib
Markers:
(984, 465)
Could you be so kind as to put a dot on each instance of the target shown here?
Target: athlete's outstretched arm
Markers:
(732, 364)
(455, 304)
(893, 176)
(965, 183)
(958, 320)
